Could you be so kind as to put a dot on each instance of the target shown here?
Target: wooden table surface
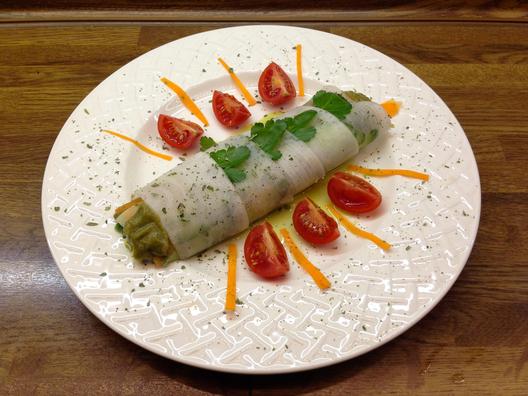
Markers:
(475, 341)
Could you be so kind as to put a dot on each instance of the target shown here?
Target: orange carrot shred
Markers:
(159, 262)
(358, 231)
(231, 278)
(186, 100)
(391, 107)
(300, 80)
(318, 277)
(126, 206)
(139, 145)
(389, 172)
(240, 85)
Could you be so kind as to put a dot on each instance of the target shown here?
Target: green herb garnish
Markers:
(300, 120)
(360, 136)
(305, 134)
(206, 142)
(298, 125)
(371, 136)
(357, 96)
(333, 103)
(229, 159)
(235, 175)
(268, 136)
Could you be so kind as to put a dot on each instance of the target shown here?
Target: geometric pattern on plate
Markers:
(282, 326)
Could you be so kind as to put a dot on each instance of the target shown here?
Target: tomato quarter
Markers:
(177, 132)
(228, 110)
(275, 86)
(264, 252)
(313, 224)
(353, 194)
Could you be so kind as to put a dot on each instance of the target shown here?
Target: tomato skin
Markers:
(313, 224)
(275, 87)
(177, 132)
(228, 110)
(264, 252)
(353, 194)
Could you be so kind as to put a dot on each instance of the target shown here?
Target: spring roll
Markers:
(197, 204)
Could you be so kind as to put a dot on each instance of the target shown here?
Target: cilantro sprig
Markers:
(298, 125)
(229, 159)
(268, 136)
(333, 103)
(206, 143)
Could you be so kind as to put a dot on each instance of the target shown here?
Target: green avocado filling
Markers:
(146, 237)
(357, 96)
(362, 138)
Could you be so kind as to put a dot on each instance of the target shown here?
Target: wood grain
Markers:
(474, 342)
(263, 10)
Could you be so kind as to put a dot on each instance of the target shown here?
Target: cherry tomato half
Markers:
(228, 110)
(177, 132)
(275, 86)
(264, 252)
(353, 194)
(313, 224)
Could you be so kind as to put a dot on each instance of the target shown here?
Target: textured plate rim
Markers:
(283, 370)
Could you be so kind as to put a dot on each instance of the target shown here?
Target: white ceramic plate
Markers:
(283, 326)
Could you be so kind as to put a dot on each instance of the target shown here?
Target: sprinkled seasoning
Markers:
(195, 288)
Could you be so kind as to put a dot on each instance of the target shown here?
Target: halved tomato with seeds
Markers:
(352, 193)
(177, 132)
(275, 86)
(264, 252)
(228, 110)
(313, 224)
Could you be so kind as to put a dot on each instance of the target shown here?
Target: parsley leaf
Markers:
(298, 125)
(235, 175)
(364, 138)
(300, 120)
(268, 136)
(360, 136)
(305, 134)
(333, 103)
(206, 142)
(231, 157)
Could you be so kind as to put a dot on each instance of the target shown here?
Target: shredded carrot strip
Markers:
(314, 272)
(158, 261)
(358, 231)
(231, 278)
(391, 107)
(389, 172)
(240, 85)
(124, 207)
(186, 100)
(139, 145)
(300, 80)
